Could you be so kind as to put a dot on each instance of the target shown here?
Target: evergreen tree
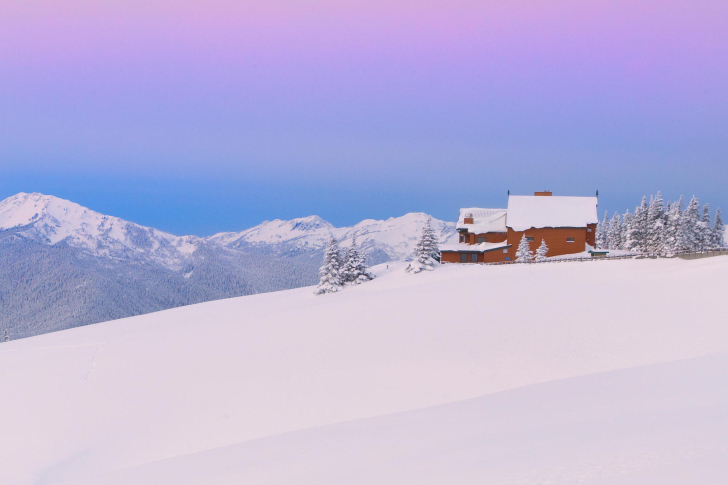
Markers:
(355, 270)
(638, 224)
(426, 253)
(614, 235)
(706, 232)
(689, 230)
(602, 231)
(6, 337)
(524, 253)
(626, 221)
(330, 271)
(718, 230)
(541, 252)
(672, 225)
(654, 227)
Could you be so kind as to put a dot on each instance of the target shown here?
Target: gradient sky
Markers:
(203, 116)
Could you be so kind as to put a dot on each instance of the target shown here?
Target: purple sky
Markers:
(200, 116)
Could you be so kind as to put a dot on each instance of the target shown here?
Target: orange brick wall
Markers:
(555, 239)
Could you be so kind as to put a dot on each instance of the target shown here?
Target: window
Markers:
(481, 240)
(529, 239)
(473, 258)
(462, 238)
(463, 258)
(569, 239)
(588, 229)
(505, 251)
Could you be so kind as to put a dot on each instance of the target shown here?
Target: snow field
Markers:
(127, 394)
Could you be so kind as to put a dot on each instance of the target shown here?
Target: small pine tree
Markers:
(6, 337)
(355, 270)
(330, 271)
(718, 230)
(426, 253)
(541, 252)
(524, 253)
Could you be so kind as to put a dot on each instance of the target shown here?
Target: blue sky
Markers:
(214, 116)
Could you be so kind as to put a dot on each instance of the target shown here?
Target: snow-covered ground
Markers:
(400, 380)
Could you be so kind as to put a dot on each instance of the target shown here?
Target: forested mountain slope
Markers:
(63, 265)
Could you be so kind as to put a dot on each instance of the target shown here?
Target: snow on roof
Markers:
(484, 220)
(473, 248)
(526, 211)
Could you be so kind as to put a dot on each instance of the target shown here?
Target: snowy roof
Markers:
(473, 248)
(484, 220)
(527, 211)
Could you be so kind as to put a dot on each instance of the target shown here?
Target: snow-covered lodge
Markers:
(567, 224)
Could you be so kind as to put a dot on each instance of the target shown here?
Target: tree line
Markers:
(662, 228)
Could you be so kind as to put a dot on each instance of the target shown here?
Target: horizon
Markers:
(666, 201)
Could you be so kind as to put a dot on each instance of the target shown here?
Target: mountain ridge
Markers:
(63, 265)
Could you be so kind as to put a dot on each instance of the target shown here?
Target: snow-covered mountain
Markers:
(63, 265)
(394, 238)
(464, 375)
(51, 220)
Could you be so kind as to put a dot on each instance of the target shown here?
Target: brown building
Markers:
(567, 225)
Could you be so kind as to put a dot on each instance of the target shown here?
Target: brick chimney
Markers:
(545, 193)
(468, 219)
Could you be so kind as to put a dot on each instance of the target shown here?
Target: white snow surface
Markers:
(484, 220)
(527, 211)
(473, 248)
(396, 381)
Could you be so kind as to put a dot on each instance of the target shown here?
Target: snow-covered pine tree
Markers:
(602, 231)
(718, 230)
(524, 253)
(355, 270)
(638, 223)
(689, 231)
(672, 225)
(654, 228)
(626, 221)
(431, 240)
(614, 234)
(330, 271)
(706, 232)
(6, 337)
(541, 252)
(426, 253)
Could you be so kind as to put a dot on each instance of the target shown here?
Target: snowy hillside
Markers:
(51, 220)
(394, 237)
(63, 265)
(396, 381)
